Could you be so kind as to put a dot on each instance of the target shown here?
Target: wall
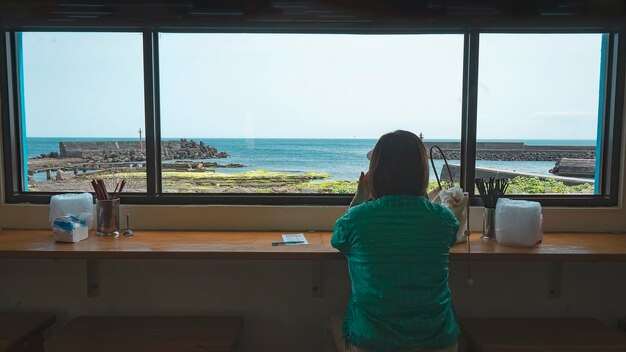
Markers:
(275, 297)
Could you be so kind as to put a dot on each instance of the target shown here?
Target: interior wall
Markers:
(275, 297)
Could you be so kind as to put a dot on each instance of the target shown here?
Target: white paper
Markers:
(289, 237)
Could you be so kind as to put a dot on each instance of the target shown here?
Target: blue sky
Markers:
(311, 85)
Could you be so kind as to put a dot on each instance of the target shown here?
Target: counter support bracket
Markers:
(555, 280)
(316, 279)
(92, 271)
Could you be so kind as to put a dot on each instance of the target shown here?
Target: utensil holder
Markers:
(108, 217)
(489, 224)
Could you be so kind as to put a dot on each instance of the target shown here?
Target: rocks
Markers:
(61, 176)
(110, 156)
(170, 150)
(575, 167)
(520, 156)
(51, 155)
(189, 149)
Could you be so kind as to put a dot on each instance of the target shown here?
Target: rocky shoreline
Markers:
(97, 157)
(119, 152)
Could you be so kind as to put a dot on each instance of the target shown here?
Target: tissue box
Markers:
(78, 204)
(69, 229)
(518, 222)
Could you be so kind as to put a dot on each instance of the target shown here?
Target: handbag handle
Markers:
(445, 161)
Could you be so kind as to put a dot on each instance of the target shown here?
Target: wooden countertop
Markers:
(257, 245)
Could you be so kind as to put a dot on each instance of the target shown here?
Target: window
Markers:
(297, 113)
(287, 118)
(539, 117)
(81, 110)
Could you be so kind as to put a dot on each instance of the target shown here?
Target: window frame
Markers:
(612, 108)
(612, 117)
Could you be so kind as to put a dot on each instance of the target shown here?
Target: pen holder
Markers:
(489, 224)
(108, 217)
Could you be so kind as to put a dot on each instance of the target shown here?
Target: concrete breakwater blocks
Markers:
(81, 149)
(508, 174)
(515, 151)
(134, 150)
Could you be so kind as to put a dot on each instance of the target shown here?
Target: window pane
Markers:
(297, 113)
(83, 108)
(538, 111)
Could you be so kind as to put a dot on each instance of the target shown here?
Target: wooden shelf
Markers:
(555, 247)
(165, 245)
(257, 245)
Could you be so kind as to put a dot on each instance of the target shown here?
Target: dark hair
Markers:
(398, 165)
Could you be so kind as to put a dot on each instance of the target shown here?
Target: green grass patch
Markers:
(272, 182)
(534, 185)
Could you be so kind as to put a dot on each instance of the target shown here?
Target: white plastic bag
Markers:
(79, 205)
(456, 200)
(518, 222)
(69, 228)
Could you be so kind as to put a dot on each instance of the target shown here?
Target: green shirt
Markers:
(397, 251)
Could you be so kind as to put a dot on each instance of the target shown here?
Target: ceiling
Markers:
(160, 12)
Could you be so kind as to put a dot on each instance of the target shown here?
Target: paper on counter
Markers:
(288, 237)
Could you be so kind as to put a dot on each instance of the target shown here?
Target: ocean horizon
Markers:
(343, 159)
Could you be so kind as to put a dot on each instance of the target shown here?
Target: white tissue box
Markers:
(69, 229)
(518, 222)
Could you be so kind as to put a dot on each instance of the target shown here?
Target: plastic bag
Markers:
(518, 222)
(69, 228)
(456, 200)
(79, 205)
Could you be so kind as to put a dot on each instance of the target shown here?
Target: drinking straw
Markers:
(103, 187)
(491, 190)
(100, 189)
(95, 189)
(123, 183)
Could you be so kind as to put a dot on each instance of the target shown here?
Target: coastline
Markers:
(274, 166)
(269, 182)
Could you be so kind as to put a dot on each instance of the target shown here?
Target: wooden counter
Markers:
(257, 245)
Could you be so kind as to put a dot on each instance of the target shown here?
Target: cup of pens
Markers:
(490, 191)
(107, 208)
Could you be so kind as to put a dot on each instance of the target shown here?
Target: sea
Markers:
(343, 159)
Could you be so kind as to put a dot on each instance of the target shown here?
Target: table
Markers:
(256, 245)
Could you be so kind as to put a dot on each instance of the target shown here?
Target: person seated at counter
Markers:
(396, 243)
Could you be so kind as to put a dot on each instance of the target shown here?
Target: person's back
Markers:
(397, 250)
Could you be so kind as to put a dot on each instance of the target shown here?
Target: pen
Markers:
(286, 242)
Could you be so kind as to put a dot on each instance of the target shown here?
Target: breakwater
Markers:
(515, 151)
(127, 151)
(508, 174)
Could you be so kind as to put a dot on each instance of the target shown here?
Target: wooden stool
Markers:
(23, 331)
(540, 335)
(147, 333)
